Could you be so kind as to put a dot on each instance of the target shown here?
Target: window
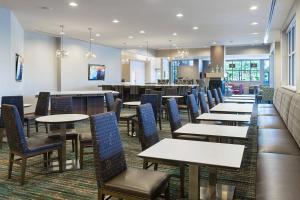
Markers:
(243, 70)
(175, 64)
(291, 39)
(266, 72)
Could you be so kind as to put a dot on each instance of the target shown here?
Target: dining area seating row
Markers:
(278, 163)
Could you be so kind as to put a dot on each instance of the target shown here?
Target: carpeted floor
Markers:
(81, 184)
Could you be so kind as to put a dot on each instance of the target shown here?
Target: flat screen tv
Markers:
(19, 67)
(96, 72)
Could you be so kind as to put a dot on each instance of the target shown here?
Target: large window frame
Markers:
(291, 44)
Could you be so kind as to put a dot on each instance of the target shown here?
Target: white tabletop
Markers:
(224, 117)
(172, 96)
(213, 130)
(196, 152)
(81, 93)
(26, 105)
(132, 103)
(239, 101)
(243, 95)
(244, 98)
(62, 118)
(233, 108)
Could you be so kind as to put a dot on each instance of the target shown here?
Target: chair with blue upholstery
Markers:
(210, 100)
(193, 108)
(216, 96)
(112, 174)
(18, 145)
(155, 101)
(203, 104)
(109, 100)
(220, 95)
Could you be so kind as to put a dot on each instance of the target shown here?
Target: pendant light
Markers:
(61, 53)
(90, 54)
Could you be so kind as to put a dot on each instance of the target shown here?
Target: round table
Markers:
(62, 119)
(132, 103)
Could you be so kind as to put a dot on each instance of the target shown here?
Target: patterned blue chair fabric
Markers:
(153, 100)
(16, 101)
(117, 106)
(112, 174)
(174, 116)
(203, 104)
(109, 99)
(193, 108)
(61, 105)
(216, 96)
(220, 95)
(210, 99)
(148, 132)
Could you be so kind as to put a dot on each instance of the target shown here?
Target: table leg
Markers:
(63, 132)
(194, 182)
(212, 182)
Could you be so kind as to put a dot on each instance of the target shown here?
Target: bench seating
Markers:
(278, 163)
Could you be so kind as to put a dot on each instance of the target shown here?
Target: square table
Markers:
(234, 119)
(232, 108)
(195, 154)
(229, 100)
(245, 98)
(243, 95)
(219, 131)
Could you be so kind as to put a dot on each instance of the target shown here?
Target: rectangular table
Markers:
(232, 108)
(229, 100)
(243, 95)
(231, 118)
(195, 154)
(245, 98)
(213, 130)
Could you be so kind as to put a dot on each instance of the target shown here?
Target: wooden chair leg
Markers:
(73, 145)
(182, 177)
(28, 128)
(145, 164)
(36, 127)
(46, 160)
(60, 164)
(100, 194)
(81, 156)
(132, 127)
(127, 121)
(155, 167)
(76, 148)
(11, 163)
(46, 126)
(1, 136)
(23, 170)
(167, 192)
(159, 120)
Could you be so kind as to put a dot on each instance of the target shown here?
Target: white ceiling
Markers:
(223, 21)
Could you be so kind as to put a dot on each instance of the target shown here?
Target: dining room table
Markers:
(242, 97)
(230, 100)
(63, 120)
(232, 108)
(196, 154)
(25, 105)
(132, 103)
(231, 119)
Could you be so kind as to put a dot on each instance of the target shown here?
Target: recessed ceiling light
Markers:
(115, 21)
(73, 4)
(254, 23)
(130, 37)
(92, 39)
(255, 33)
(179, 15)
(195, 28)
(174, 34)
(98, 34)
(253, 8)
(214, 43)
(142, 32)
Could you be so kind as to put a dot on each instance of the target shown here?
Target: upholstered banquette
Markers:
(278, 162)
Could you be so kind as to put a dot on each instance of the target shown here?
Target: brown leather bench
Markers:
(278, 163)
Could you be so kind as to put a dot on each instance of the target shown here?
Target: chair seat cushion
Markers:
(85, 137)
(191, 137)
(274, 122)
(127, 115)
(268, 112)
(139, 182)
(277, 141)
(41, 143)
(278, 177)
(70, 135)
(265, 106)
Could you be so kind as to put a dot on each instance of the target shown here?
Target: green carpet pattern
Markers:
(81, 184)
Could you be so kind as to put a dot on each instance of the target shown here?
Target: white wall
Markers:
(74, 68)
(137, 72)
(11, 42)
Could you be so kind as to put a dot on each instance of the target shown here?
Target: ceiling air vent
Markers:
(273, 3)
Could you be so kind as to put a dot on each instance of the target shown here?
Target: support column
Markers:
(217, 57)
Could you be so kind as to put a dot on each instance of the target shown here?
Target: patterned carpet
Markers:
(81, 184)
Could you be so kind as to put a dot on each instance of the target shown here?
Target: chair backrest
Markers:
(61, 105)
(14, 128)
(109, 99)
(148, 133)
(193, 108)
(174, 116)
(153, 99)
(216, 96)
(220, 95)
(16, 101)
(159, 96)
(117, 108)
(42, 104)
(109, 156)
(194, 92)
(203, 105)
(210, 99)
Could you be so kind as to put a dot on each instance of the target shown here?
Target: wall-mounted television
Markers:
(96, 72)
(19, 67)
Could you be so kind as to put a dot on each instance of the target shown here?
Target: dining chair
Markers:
(210, 100)
(109, 101)
(41, 109)
(85, 138)
(113, 176)
(220, 95)
(64, 105)
(160, 105)
(148, 136)
(18, 145)
(193, 108)
(216, 96)
(202, 101)
(155, 100)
